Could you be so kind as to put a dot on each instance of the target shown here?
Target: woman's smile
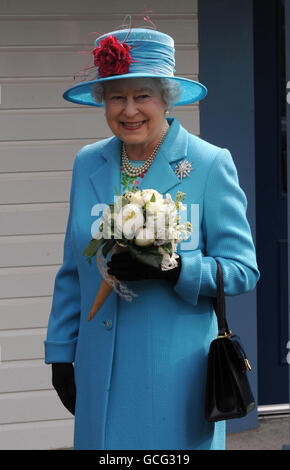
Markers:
(132, 126)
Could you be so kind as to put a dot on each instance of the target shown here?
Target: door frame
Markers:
(227, 120)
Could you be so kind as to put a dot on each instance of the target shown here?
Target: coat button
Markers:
(108, 324)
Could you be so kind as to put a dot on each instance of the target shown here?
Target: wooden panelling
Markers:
(33, 219)
(36, 155)
(37, 435)
(22, 344)
(52, 124)
(31, 250)
(70, 32)
(27, 282)
(31, 406)
(75, 7)
(70, 124)
(40, 135)
(35, 187)
(24, 312)
(20, 376)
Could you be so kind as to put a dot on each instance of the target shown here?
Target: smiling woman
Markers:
(139, 374)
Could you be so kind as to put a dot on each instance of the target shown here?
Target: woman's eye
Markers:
(142, 98)
(139, 97)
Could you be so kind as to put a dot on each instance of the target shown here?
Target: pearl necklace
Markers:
(136, 171)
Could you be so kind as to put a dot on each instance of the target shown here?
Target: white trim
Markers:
(282, 408)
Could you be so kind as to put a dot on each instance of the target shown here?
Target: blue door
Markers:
(271, 200)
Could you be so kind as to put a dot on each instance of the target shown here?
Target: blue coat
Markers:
(140, 366)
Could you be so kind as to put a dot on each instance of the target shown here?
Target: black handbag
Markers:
(228, 393)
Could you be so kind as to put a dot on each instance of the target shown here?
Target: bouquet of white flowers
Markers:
(144, 223)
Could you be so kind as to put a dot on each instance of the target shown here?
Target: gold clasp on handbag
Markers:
(248, 366)
(226, 335)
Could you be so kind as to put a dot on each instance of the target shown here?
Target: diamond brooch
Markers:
(182, 169)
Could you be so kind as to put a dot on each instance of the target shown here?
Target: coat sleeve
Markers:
(63, 324)
(227, 236)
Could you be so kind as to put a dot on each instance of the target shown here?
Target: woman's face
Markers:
(134, 110)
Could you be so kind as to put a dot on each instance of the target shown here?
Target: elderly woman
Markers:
(135, 375)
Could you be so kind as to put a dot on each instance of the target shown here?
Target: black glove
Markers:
(125, 268)
(64, 383)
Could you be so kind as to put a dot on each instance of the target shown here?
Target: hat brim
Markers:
(81, 94)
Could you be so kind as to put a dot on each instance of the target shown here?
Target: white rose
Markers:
(128, 220)
(168, 199)
(161, 233)
(155, 207)
(172, 234)
(171, 208)
(171, 216)
(156, 221)
(147, 194)
(107, 223)
(137, 198)
(128, 195)
(98, 235)
(144, 237)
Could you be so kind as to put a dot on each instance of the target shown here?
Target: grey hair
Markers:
(169, 90)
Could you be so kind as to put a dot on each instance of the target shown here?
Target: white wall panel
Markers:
(35, 187)
(52, 124)
(40, 135)
(75, 31)
(33, 219)
(38, 435)
(21, 344)
(27, 282)
(31, 406)
(97, 7)
(23, 312)
(45, 155)
(20, 376)
(66, 123)
(31, 250)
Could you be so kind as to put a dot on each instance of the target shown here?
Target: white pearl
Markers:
(136, 171)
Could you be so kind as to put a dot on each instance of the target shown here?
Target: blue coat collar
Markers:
(161, 174)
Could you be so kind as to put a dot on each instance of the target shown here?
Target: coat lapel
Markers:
(161, 174)
(106, 179)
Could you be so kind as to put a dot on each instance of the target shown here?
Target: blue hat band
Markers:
(153, 57)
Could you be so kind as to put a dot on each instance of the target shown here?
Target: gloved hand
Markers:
(64, 383)
(125, 268)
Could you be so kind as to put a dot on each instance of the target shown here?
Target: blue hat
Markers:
(135, 52)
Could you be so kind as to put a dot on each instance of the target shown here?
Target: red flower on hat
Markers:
(112, 57)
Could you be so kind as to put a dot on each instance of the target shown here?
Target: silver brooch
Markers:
(183, 168)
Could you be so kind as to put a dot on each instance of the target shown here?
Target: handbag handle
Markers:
(220, 304)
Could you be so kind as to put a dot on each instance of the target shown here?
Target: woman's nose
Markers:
(130, 107)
